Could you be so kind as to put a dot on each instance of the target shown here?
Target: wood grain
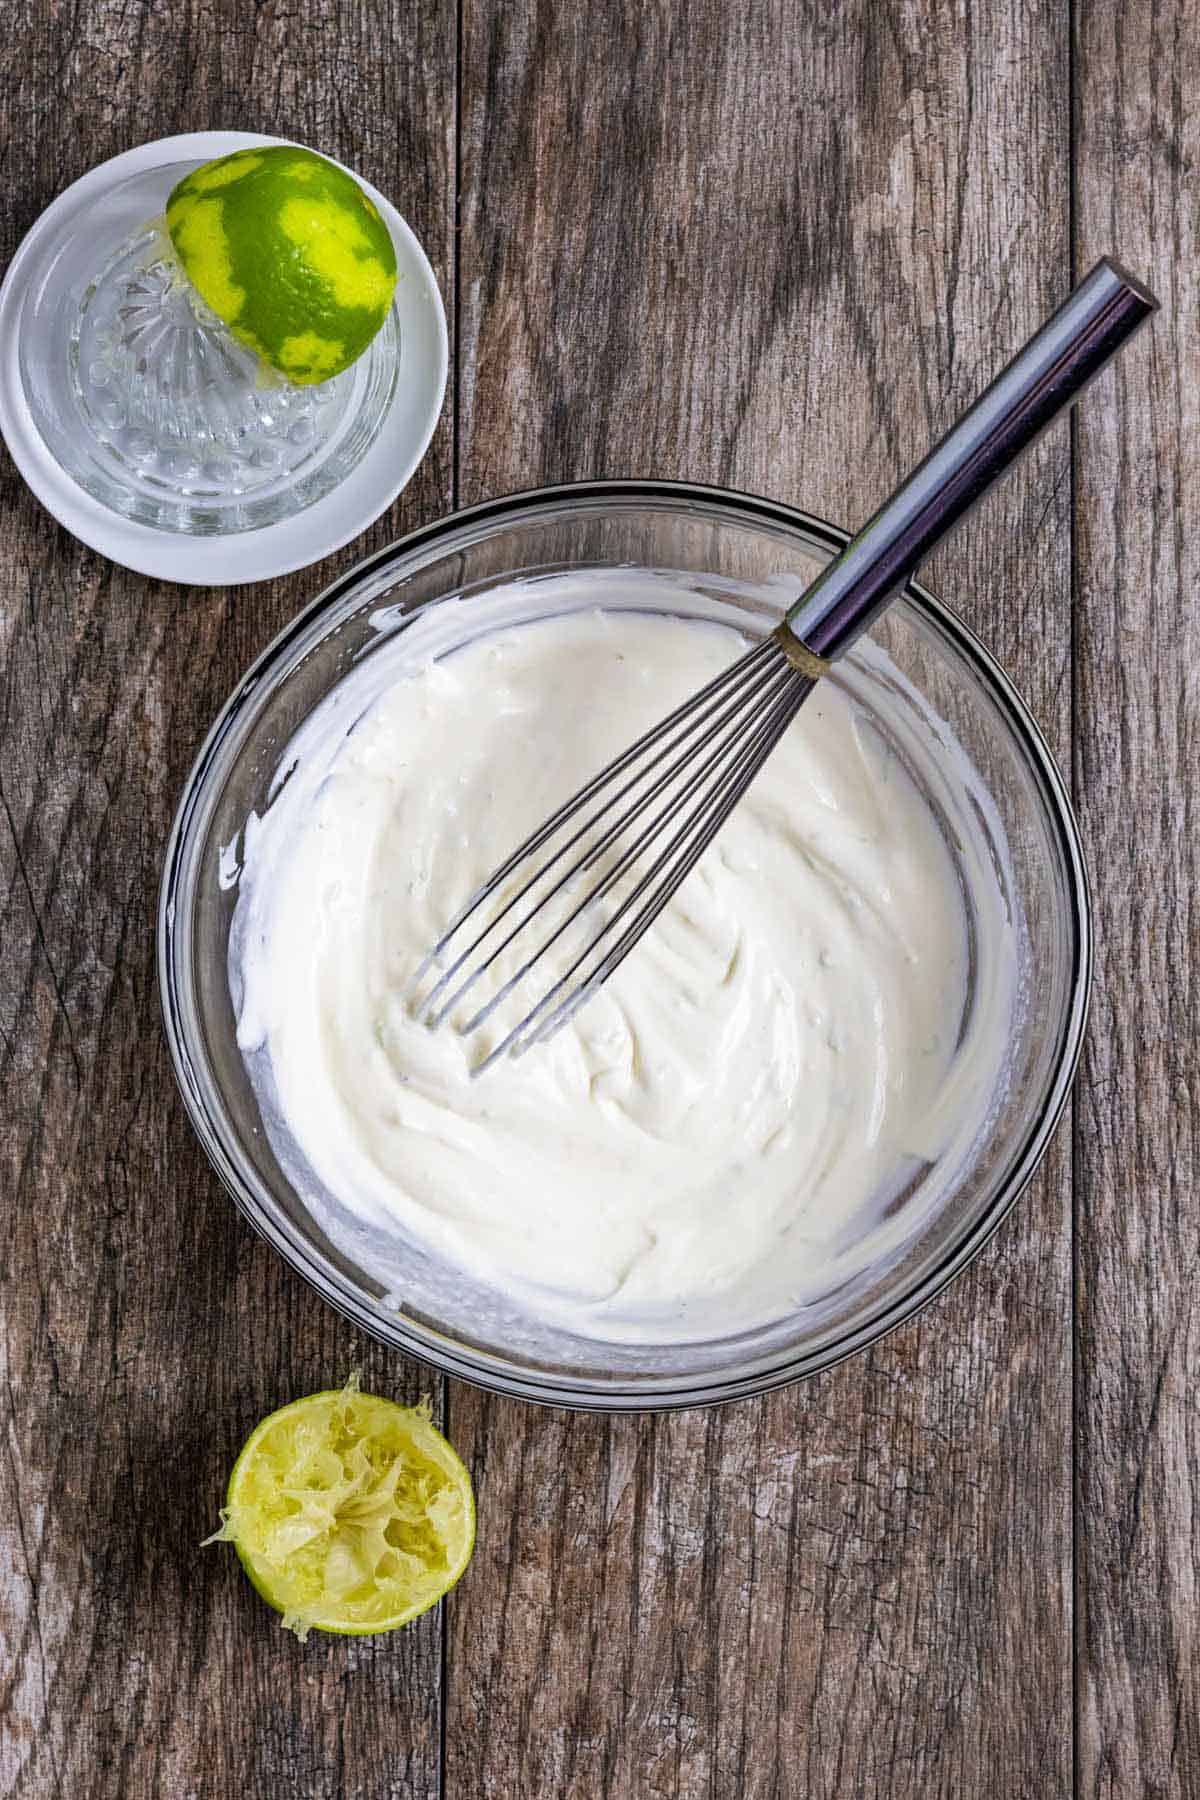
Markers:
(1137, 764)
(145, 1328)
(775, 247)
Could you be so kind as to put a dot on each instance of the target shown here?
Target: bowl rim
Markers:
(493, 1373)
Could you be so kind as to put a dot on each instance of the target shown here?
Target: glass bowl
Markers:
(711, 542)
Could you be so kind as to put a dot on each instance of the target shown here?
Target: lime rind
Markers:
(290, 253)
(349, 1513)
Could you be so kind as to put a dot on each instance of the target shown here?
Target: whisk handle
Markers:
(1042, 380)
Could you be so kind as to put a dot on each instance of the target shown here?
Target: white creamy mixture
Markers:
(717, 1136)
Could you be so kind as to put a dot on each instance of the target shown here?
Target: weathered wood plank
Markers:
(146, 1329)
(1137, 775)
(776, 246)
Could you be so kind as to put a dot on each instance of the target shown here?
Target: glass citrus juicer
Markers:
(166, 375)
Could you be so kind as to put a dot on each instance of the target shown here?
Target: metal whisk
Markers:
(616, 852)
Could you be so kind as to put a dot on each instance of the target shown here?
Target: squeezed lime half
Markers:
(350, 1513)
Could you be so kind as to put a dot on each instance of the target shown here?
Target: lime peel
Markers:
(290, 253)
(349, 1512)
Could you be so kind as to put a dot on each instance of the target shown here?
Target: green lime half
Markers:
(349, 1513)
(288, 250)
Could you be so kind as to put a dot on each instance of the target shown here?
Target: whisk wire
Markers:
(733, 737)
(690, 840)
(767, 650)
(765, 675)
(715, 811)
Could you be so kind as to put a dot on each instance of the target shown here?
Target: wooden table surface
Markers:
(773, 245)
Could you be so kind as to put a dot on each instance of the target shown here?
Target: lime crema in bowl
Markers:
(737, 1123)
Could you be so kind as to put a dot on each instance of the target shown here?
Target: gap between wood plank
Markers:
(455, 456)
(1073, 1114)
